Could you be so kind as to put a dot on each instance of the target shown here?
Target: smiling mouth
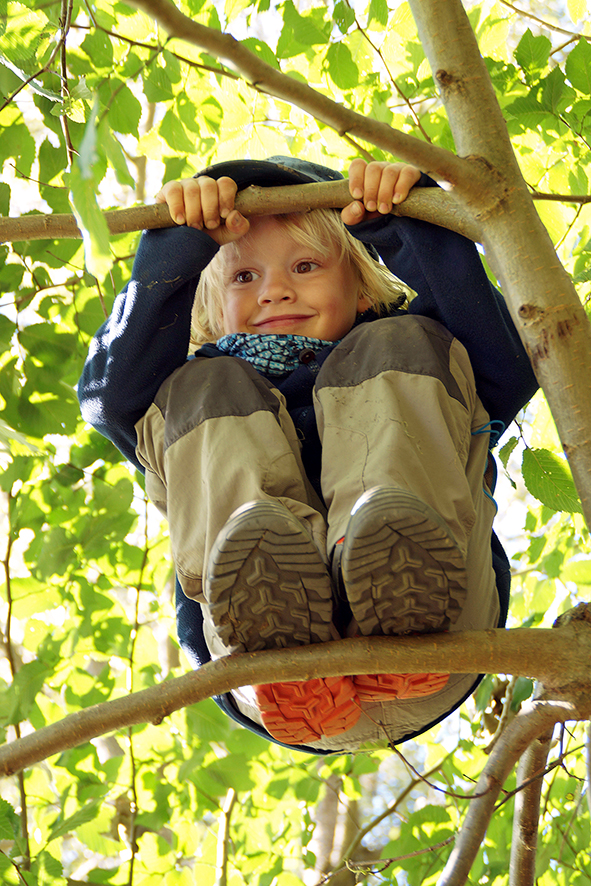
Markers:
(277, 321)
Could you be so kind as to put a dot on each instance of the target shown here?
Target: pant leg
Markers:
(218, 435)
(396, 405)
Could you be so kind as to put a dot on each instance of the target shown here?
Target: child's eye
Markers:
(304, 267)
(245, 277)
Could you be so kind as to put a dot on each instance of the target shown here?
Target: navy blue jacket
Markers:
(147, 337)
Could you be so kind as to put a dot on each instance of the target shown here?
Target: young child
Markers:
(323, 459)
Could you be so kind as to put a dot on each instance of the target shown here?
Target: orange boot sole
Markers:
(303, 712)
(386, 687)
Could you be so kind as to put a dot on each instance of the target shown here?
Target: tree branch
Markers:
(533, 720)
(438, 162)
(522, 870)
(566, 651)
(429, 204)
(542, 299)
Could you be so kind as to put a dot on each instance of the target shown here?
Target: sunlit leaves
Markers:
(548, 478)
(578, 67)
(533, 52)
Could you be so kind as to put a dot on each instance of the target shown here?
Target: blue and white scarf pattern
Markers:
(270, 354)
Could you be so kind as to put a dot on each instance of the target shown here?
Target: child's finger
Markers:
(390, 175)
(227, 188)
(408, 177)
(172, 194)
(371, 184)
(357, 178)
(353, 213)
(192, 198)
(210, 202)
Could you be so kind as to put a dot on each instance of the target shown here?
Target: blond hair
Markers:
(319, 230)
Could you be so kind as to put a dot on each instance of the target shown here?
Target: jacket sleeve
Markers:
(446, 272)
(146, 336)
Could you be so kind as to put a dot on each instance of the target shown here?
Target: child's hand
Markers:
(206, 204)
(376, 187)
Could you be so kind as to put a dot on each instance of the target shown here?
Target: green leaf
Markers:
(62, 826)
(378, 11)
(507, 449)
(116, 157)
(553, 89)
(341, 67)
(578, 67)
(89, 217)
(99, 48)
(9, 821)
(578, 571)
(344, 16)
(174, 133)
(532, 52)
(157, 85)
(4, 198)
(124, 109)
(28, 682)
(576, 9)
(548, 478)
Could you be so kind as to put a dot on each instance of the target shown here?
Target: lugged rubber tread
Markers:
(267, 586)
(303, 712)
(387, 687)
(402, 570)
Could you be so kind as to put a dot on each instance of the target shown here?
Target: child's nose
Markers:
(276, 288)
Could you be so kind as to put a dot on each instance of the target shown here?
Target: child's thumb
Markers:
(236, 226)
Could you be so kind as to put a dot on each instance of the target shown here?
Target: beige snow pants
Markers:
(395, 404)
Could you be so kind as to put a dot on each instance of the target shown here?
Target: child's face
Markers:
(276, 285)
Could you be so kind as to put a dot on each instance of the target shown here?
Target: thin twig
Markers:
(505, 715)
(377, 50)
(65, 20)
(223, 840)
(540, 21)
(435, 787)
(366, 866)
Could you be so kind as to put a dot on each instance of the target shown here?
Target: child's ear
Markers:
(363, 304)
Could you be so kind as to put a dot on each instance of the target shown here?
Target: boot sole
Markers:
(267, 586)
(301, 713)
(388, 687)
(402, 570)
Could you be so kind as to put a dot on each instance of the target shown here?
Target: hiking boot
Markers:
(402, 569)
(402, 573)
(267, 587)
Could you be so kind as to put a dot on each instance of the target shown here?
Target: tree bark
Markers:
(524, 843)
(541, 297)
(533, 721)
(428, 204)
(567, 651)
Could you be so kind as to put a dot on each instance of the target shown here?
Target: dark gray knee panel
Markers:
(410, 344)
(212, 387)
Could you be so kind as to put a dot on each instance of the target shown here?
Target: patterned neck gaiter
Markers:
(270, 354)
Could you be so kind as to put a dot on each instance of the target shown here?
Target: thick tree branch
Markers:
(542, 299)
(428, 204)
(567, 651)
(534, 720)
(438, 162)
